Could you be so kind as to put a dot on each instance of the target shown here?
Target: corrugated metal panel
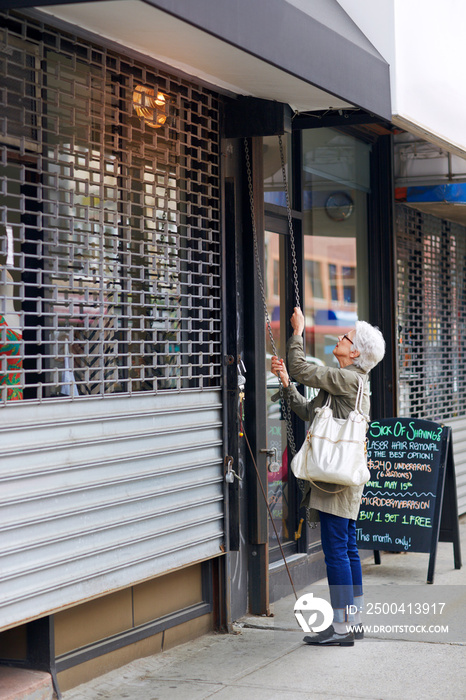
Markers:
(96, 495)
(458, 426)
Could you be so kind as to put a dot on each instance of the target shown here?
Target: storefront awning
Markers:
(430, 178)
(311, 56)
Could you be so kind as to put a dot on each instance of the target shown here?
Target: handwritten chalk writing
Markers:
(394, 503)
(376, 430)
(416, 520)
(400, 445)
(366, 514)
(391, 517)
(394, 475)
(377, 464)
(414, 467)
(401, 430)
(398, 503)
(361, 536)
(429, 447)
(377, 444)
(382, 538)
(424, 434)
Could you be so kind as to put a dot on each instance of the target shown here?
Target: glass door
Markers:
(335, 183)
(279, 488)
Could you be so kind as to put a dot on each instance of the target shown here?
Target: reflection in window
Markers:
(349, 284)
(334, 163)
(276, 278)
(314, 275)
(333, 281)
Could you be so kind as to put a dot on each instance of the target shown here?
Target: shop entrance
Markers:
(329, 195)
(328, 174)
(281, 491)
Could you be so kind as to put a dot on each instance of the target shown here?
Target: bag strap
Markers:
(325, 490)
(358, 404)
(327, 404)
(358, 409)
(359, 397)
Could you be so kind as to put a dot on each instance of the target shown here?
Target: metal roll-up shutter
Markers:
(458, 426)
(98, 495)
(110, 347)
(431, 325)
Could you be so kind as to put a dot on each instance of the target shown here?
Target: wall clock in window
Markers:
(339, 206)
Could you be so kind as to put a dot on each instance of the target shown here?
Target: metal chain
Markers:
(290, 225)
(285, 401)
(302, 485)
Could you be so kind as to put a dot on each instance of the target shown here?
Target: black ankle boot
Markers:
(358, 631)
(329, 637)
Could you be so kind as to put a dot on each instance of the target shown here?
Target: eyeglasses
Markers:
(347, 338)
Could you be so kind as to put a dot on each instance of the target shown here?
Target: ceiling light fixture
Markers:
(150, 105)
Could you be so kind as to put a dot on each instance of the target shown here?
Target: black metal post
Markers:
(382, 275)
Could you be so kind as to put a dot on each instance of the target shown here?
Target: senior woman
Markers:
(357, 352)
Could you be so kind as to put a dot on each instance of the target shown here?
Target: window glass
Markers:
(314, 278)
(274, 191)
(336, 180)
(349, 283)
(277, 474)
(333, 281)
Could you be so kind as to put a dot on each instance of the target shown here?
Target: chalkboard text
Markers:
(398, 502)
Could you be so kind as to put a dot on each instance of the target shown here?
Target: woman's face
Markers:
(344, 350)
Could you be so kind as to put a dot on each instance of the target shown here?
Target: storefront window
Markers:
(335, 187)
(110, 224)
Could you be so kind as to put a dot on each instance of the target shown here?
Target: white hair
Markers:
(370, 343)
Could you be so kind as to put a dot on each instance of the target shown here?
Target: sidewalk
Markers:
(407, 656)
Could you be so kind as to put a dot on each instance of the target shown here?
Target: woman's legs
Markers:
(356, 572)
(343, 565)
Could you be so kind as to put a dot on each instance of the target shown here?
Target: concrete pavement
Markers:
(414, 649)
(24, 684)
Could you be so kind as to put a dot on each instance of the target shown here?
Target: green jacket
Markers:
(342, 384)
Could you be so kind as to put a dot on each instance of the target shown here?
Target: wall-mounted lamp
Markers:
(151, 105)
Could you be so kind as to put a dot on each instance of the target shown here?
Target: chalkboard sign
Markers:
(400, 505)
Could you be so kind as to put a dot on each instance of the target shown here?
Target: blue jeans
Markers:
(343, 565)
